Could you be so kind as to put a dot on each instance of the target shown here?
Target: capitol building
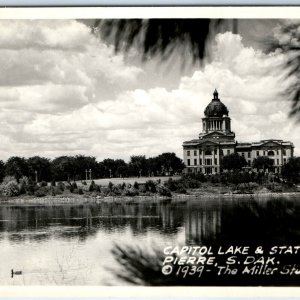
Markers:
(217, 140)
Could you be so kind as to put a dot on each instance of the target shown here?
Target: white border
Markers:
(139, 292)
(148, 12)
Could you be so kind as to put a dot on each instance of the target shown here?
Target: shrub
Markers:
(22, 189)
(24, 181)
(164, 191)
(84, 182)
(215, 178)
(31, 188)
(94, 187)
(10, 189)
(110, 185)
(41, 192)
(52, 190)
(53, 183)
(105, 191)
(131, 191)
(23, 184)
(80, 191)
(150, 186)
(85, 188)
(116, 190)
(136, 185)
(58, 190)
(61, 186)
(8, 179)
(74, 185)
(43, 183)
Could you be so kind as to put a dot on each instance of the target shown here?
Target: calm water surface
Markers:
(71, 244)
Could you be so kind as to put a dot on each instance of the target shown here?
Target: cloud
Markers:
(45, 59)
(58, 103)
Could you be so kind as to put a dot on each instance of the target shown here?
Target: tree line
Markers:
(289, 171)
(81, 167)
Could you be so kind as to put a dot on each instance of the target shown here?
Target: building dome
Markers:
(215, 108)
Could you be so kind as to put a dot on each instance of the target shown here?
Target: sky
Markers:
(64, 91)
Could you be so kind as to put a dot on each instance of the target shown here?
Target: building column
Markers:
(203, 162)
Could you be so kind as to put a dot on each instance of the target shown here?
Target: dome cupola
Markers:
(216, 108)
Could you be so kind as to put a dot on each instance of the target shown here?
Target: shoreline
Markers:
(74, 199)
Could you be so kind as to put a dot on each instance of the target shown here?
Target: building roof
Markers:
(238, 145)
(216, 108)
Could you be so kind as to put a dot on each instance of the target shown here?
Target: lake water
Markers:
(72, 244)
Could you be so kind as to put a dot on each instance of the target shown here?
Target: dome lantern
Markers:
(216, 94)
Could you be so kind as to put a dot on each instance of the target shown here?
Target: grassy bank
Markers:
(143, 189)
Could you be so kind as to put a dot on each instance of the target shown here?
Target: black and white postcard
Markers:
(150, 150)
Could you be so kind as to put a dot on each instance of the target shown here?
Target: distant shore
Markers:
(194, 196)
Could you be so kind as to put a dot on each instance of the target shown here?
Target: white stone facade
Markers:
(217, 140)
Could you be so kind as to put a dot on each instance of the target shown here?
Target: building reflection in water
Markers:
(202, 222)
(202, 225)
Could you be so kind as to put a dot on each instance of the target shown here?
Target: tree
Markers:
(290, 46)
(64, 168)
(2, 170)
(138, 165)
(158, 36)
(42, 166)
(233, 161)
(16, 166)
(291, 170)
(262, 162)
(168, 161)
(84, 163)
(113, 168)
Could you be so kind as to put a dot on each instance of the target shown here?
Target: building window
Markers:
(216, 151)
(257, 153)
(216, 170)
(221, 152)
(271, 153)
(207, 152)
(200, 152)
(188, 153)
(277, 161)
(283, 152)
(195, 161)
(188, 162)
(200, 161)
(195, 152)
(216, 161)
(284, 160)
(249, 154)
(249, 163)
(277, 152)
(208, 162)
(228, 152)
(243, 154)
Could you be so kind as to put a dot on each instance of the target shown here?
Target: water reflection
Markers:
(202, 222)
